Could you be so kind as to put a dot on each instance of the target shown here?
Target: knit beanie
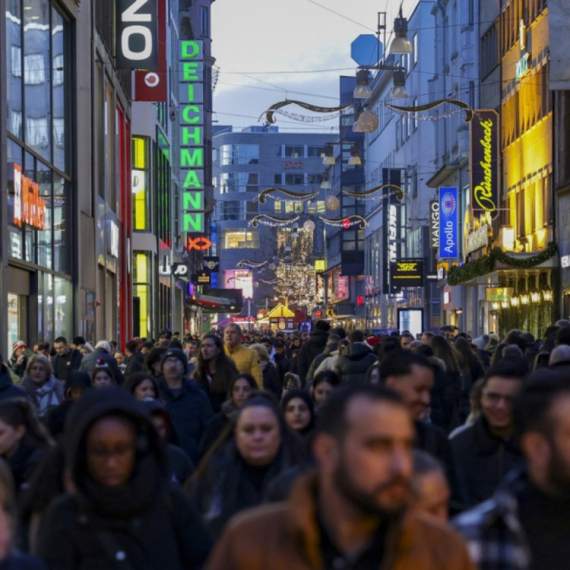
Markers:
(175, 353)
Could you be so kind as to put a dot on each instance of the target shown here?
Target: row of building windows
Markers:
(299, 151)
(513, 13)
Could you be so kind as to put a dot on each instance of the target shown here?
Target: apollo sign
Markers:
(137, 34)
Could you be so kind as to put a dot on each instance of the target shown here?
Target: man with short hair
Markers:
(353, 512)
(188, 405)
(355, 360)
(65, 360)
(406, 338)
(133, 358)
(526, 523)
(42, 348)
(191, 349)
(486, 451)
(312, 347)
(245, 359)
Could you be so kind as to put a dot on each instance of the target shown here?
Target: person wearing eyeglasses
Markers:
(486, 451)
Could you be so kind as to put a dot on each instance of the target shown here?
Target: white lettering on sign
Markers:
(449, 237)
(477, 239)
(565, 261)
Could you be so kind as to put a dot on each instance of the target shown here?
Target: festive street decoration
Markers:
(367, 121)
(297, 196)
(345, 223)
(270, 113)
(250, 264)
(332, 203)
(309, 226)
(486, 264)
(271, 281)
(372, 193)
(428, 106)
(306, 118)
(274, 221)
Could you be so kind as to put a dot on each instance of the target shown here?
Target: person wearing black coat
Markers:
(354, 362)
(188, 405)
(102, 352)
(134, 360)
(7, 387)
(122, 514)
(66, 360)
(314, 346)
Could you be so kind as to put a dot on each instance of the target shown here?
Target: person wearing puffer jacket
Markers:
(355, 360)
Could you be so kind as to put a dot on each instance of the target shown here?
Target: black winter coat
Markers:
(272, 381)
(482, 460)
(63, 365)
(7, 388)
(354, 362)
(313, 347)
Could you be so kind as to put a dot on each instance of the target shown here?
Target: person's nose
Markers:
(425, 398)
(401, 461)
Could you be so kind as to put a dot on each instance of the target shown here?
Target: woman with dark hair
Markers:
(299, 412)
(471, 371)
(214, 370)
(23, 439)
(142, 385)
(153, 360)
(323, 384)
(235, 474)
(241, 388)
(448, 387)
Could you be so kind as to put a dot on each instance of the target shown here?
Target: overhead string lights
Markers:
(415, 111)
(274, 221)
(296, 196)
(250, 264)
(271, 281)
(372, 194)
(270, 113)
(346, 222)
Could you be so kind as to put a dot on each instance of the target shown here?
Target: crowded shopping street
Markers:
(285, 286)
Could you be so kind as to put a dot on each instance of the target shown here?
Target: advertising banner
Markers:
(407, 273)
(152, 86)
(434, 224)
(449, 222)
(137, 34)
(484, 130)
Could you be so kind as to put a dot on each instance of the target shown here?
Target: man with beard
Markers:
(526, 524)
(352, 513)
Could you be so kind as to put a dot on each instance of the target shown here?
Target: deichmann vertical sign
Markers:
(449, 222)
(485, 161)
(434, 224)
(137, 34)
(191, 98)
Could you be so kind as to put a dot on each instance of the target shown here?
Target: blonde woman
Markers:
(271, 379)
(42, 388)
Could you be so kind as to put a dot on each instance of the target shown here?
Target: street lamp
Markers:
(401, 44)
(362, 89)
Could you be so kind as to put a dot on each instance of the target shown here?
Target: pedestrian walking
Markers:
(245, 359)
(43, 389)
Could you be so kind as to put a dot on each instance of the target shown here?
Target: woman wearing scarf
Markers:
(43, 389)
(123, 512)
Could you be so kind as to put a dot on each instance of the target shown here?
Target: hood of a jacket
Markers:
(98, 403)
(357, 351)
(318, 337)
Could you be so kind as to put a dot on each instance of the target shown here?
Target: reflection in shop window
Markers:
(37, 132)
(34, 69)
(15, 122)
(234, 239)
(16, 61)
(58, 74)
(58, 131)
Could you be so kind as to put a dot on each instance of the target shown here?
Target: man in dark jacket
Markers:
(188, 405)
(123, 512)
(312, 348)
(333, 341)
(133, 358)
(66, 360)
(485, 452)
(102, 352)
(281, 361)
(355, 360)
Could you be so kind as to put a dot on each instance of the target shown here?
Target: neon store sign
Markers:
(29, 207)
(191, 97)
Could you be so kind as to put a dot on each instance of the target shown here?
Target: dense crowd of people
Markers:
(260, 450)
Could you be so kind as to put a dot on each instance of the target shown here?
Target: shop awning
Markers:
(280, 312)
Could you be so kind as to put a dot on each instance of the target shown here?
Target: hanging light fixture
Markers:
(332, 203)
(496, 306)
(504, 304)
(401, 44)
(356, 128)
(368, 121)
(515, 301)
(329, 158)
(525, 298)
(326, 184)
(354, 159)
(362, 89)
(547, 294)
(535, 296)
(399, 90)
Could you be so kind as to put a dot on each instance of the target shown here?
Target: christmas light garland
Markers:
(270, 113)
(250, 263)
(306, 118)
(370, 194)
(273, 221)
(297, 196)
(486, 264)
(427, 107)
(346, 222)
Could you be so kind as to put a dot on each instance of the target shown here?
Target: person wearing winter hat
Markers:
(102, 375)
(76, 384)
(188, 405)
(102, 352)
(123, 512)
(19, 358)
